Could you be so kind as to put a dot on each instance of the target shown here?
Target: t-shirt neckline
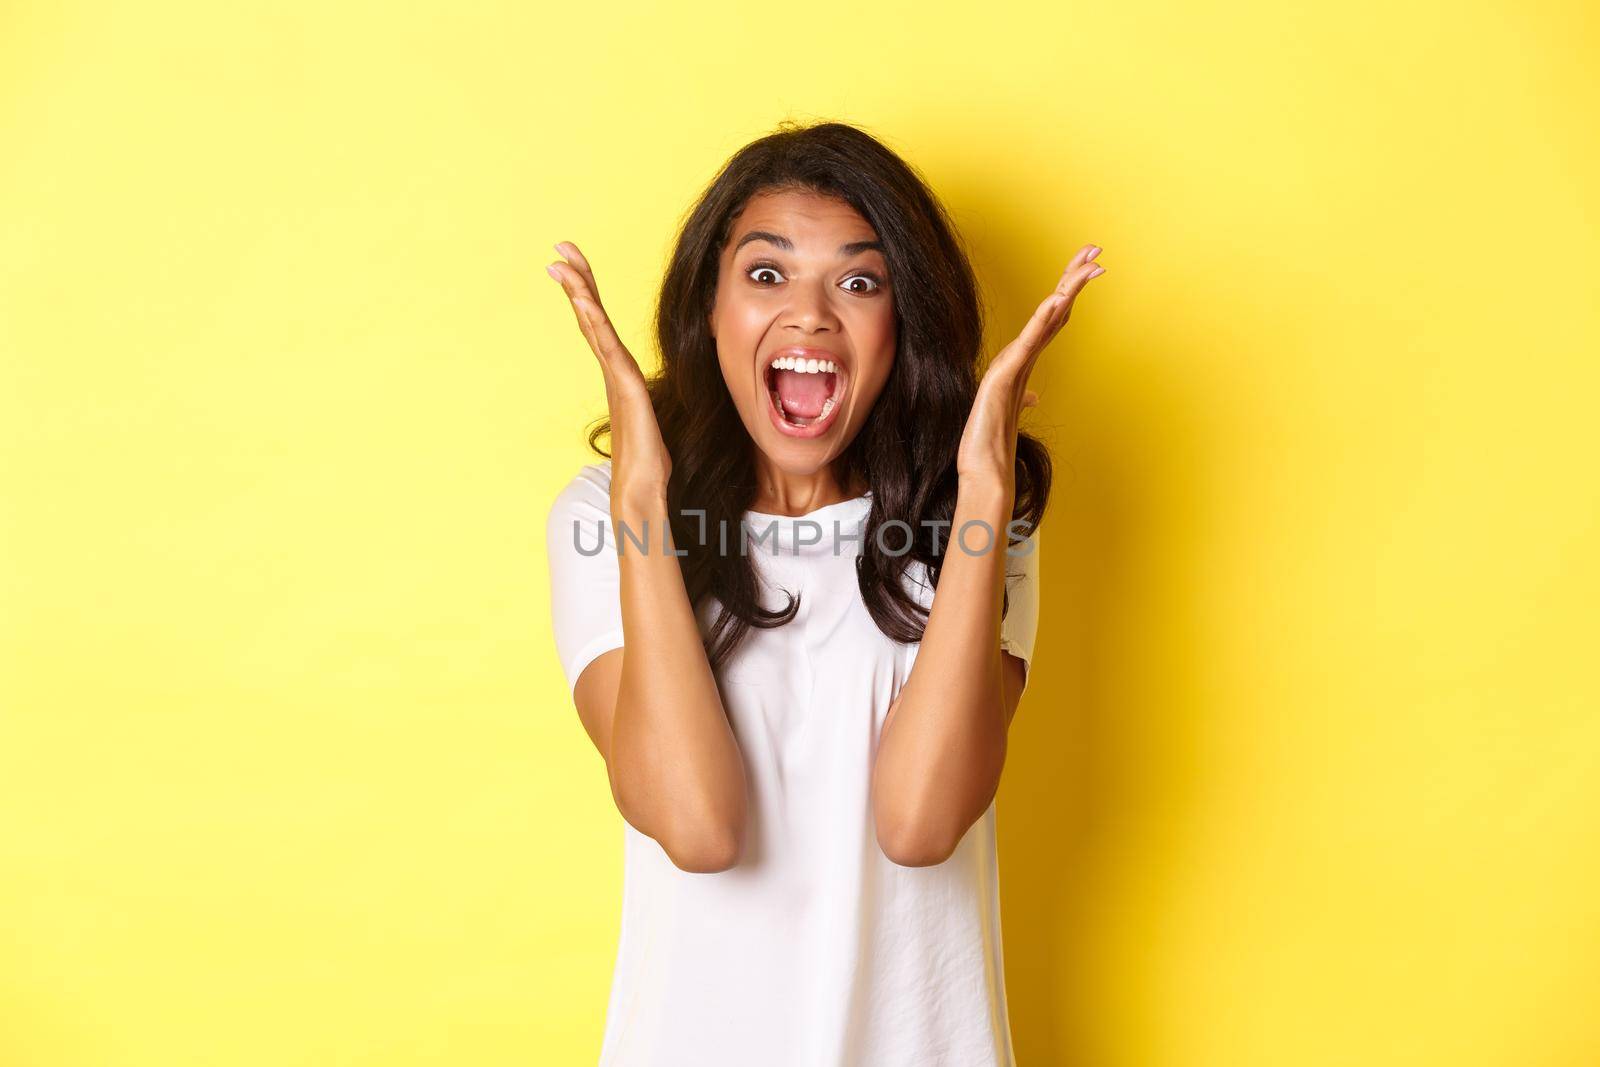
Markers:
(825, 511)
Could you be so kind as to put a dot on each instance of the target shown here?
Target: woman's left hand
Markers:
(989, 441)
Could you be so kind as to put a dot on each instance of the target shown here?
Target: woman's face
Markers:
(802, 278)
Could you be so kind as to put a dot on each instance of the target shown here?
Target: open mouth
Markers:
(804, 394)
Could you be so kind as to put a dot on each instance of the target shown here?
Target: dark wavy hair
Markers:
(906, 449)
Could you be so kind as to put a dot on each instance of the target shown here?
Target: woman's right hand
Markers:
(640, 464)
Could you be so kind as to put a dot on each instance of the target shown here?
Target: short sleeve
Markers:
(1021, 623)
(585, 595)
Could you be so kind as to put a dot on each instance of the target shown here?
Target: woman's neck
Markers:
(778, 493)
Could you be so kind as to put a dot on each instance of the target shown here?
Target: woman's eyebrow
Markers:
(850, 249)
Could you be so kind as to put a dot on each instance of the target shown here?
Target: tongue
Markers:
(803, 394)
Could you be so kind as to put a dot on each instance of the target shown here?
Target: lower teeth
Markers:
(801, 420)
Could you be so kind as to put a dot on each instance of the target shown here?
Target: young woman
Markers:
(804, 740)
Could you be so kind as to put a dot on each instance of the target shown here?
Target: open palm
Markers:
(639, 458)
(989, 440)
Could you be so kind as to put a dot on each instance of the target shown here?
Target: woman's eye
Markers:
(756, 270)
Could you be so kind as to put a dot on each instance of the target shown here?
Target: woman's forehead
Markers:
(801, 216)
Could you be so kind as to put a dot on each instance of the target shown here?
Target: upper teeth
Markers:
(804, 366)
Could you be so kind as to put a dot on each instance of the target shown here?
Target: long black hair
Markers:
(906, 449)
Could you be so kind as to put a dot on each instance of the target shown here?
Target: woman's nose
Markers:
(811, 306)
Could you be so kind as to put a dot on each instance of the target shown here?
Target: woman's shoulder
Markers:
(586, 495)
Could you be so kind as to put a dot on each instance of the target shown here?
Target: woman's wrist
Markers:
(636, 497)
(987, 487)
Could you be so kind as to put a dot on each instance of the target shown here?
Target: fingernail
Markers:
(551, 270)
(1094, 250)
(557, 247)
(1097, 272)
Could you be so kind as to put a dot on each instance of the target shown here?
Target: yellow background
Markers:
(1309, 773)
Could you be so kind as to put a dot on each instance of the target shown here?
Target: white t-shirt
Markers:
(816, 949)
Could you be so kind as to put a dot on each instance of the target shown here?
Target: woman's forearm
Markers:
(940, 756)
(676, 771)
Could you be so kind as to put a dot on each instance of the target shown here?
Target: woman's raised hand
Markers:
(639, 460)
(989, 441)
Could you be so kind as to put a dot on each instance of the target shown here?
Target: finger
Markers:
(1052, 312)
(592, 319)
(1085, 254)
(601, 320)
(1066, 294)
(1040, 327)
(1072, 278)
(573, 286)
(1052, 315)
(570, 252)
(1015, 361)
